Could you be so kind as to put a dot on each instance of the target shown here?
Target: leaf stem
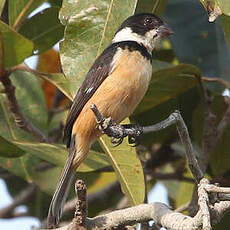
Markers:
(22, 14)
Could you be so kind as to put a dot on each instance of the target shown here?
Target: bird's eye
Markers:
(148, 21)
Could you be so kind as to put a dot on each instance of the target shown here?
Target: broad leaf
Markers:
(2, 3)
(57, 154)
(61, 82)
(8, 149)
(19, 9)
(225, 21)
(44, 29)
(14, 43)
(167, 83)
(90, 26)
(31, 102)
(8, 128)
(219, 157)
(128, 168)
(224, 6)
(152, 6)
(196, 41)
(30, 98)
(216, 8)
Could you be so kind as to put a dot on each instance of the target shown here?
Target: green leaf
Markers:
(219, 157)
(14, 43)
(90, 26)
(44, 29)
(32, 104)
(2, 3)
(26, 168)
(61, 82)
(216, 8)
(224, 223)
(128, 168)
(152, 6)
(225, 21)
(19, 9)
(168, 83)
(31, 98)
(199, 43)
(8, 128)
(8, 149)
(89, 29)
(185, 192)
(55, 2)
(57, 154)
(224, 6)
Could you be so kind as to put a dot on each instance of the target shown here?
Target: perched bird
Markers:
(116, 83)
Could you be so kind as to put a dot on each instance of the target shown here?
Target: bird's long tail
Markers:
(62, 190)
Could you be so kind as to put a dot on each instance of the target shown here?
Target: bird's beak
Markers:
(164, 31)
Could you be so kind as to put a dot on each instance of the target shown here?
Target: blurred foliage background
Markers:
(191, 73)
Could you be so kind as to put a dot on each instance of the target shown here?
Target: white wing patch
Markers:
(88, 90)
(116, 57)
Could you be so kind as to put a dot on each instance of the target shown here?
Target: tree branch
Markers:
(22, 198)
(19, 118)
(119, 132)
(160, 213)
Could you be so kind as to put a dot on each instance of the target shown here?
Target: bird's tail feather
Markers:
(62, 190)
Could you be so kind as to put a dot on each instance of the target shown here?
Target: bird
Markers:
(116, 83)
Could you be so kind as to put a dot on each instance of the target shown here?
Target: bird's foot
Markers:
(134, 132)
(117, 132)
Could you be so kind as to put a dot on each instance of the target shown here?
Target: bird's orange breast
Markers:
(118, 95)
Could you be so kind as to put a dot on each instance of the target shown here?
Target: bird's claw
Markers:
(133, 138)
(119, 132)
(116, 141)
(133, 141)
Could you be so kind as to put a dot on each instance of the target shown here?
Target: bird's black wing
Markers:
(96, 75)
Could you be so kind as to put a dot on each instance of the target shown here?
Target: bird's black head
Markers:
(144, 28)
(141, 23)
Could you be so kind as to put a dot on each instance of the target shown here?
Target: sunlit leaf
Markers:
(14, 43)
(61, 82)
(2, 3)
(90, 28)
(128, 168)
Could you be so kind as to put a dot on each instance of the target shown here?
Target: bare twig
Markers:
(170, 176)
(160, 213)
(102, 195)
(223, 123)
(22, 198)
(221, 81)
(119, 131)
(81, 211)
(209, 130)
(203, 202)
(19, 118)
(24, 67)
